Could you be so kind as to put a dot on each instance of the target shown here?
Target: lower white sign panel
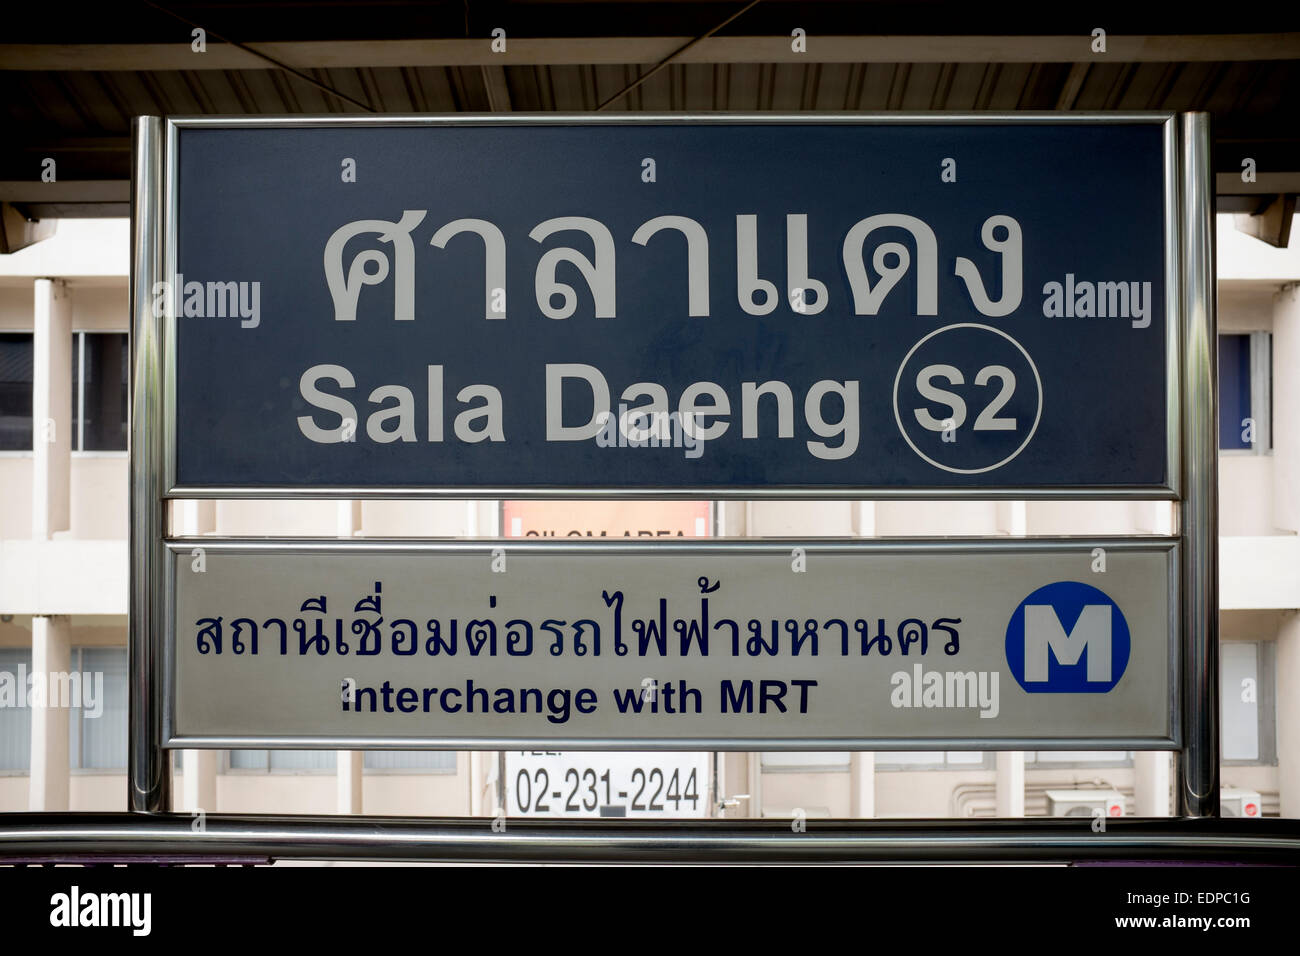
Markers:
(551, 645)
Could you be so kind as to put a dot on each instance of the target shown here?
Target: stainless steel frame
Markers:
(482, 551)
(1191, 450)
(172, 838)
(1198, 777)
(148, 765)
(1172, 363)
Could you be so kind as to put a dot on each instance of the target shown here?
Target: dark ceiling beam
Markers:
(28, 193)
(556, 51)
(1270, 222)
(1073, 84)
(1265, 184)
(496, 88)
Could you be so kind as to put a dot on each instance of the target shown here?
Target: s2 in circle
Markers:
(968, 398)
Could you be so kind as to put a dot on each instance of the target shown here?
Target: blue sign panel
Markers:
(819, 307)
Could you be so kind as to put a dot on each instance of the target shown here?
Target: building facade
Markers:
(64, 358)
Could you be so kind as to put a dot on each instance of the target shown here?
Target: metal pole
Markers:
(148, 767)
(1198, 777)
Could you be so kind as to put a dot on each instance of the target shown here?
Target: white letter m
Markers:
(1043, 630)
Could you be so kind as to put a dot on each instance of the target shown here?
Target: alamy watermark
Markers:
(640, 428)
(84, 689)
(210, 300)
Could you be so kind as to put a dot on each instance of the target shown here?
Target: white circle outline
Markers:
(1037, 380)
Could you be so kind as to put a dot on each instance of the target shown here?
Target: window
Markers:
(100, 384)
(441, 760)
(934, 760)
(283, 760)
(15, 717)
(97, 719)
(16, 357)
(1248, 728)
(1046, 759)
(805, 762)
(1246, 392)
(327, 760)
(97, 732)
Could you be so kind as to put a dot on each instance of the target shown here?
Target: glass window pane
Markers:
(1079, 756)
(102, 724)
(105, 395)
(303, 759)
(838, 759)
(1239, 696)
(410, 760)
(282, 759)
(1234, 389)
(16, 720)
(910, 758)
(248, 759)
(16, 357)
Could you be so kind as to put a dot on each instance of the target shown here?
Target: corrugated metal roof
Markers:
(64, 105)
(78, 108)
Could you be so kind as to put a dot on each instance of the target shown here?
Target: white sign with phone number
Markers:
(618, 784)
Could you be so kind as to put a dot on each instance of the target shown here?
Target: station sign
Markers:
(559, 646)
(685, 306)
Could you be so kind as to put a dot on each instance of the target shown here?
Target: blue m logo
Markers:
(1068, 638)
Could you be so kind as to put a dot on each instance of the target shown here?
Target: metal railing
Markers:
(252, 839)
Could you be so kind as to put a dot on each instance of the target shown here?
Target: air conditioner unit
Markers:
(1240, 803)
(1085, 803)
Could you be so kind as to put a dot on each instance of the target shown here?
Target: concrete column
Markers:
(51, 409)
(862, 784)
(732, 775)
(349, 770)
(864, 519)
(1288, 714)
(487, 518)
(731, 518)
(1286, 516)
(193, 516)
(1286, 410)
(1012, 518)
(200, 780)
(51, 654)
(477, 782)
(482, 519)
(719, 787)
(349, 523)
(1151, 783)
(755, 784)
(1010, 787)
